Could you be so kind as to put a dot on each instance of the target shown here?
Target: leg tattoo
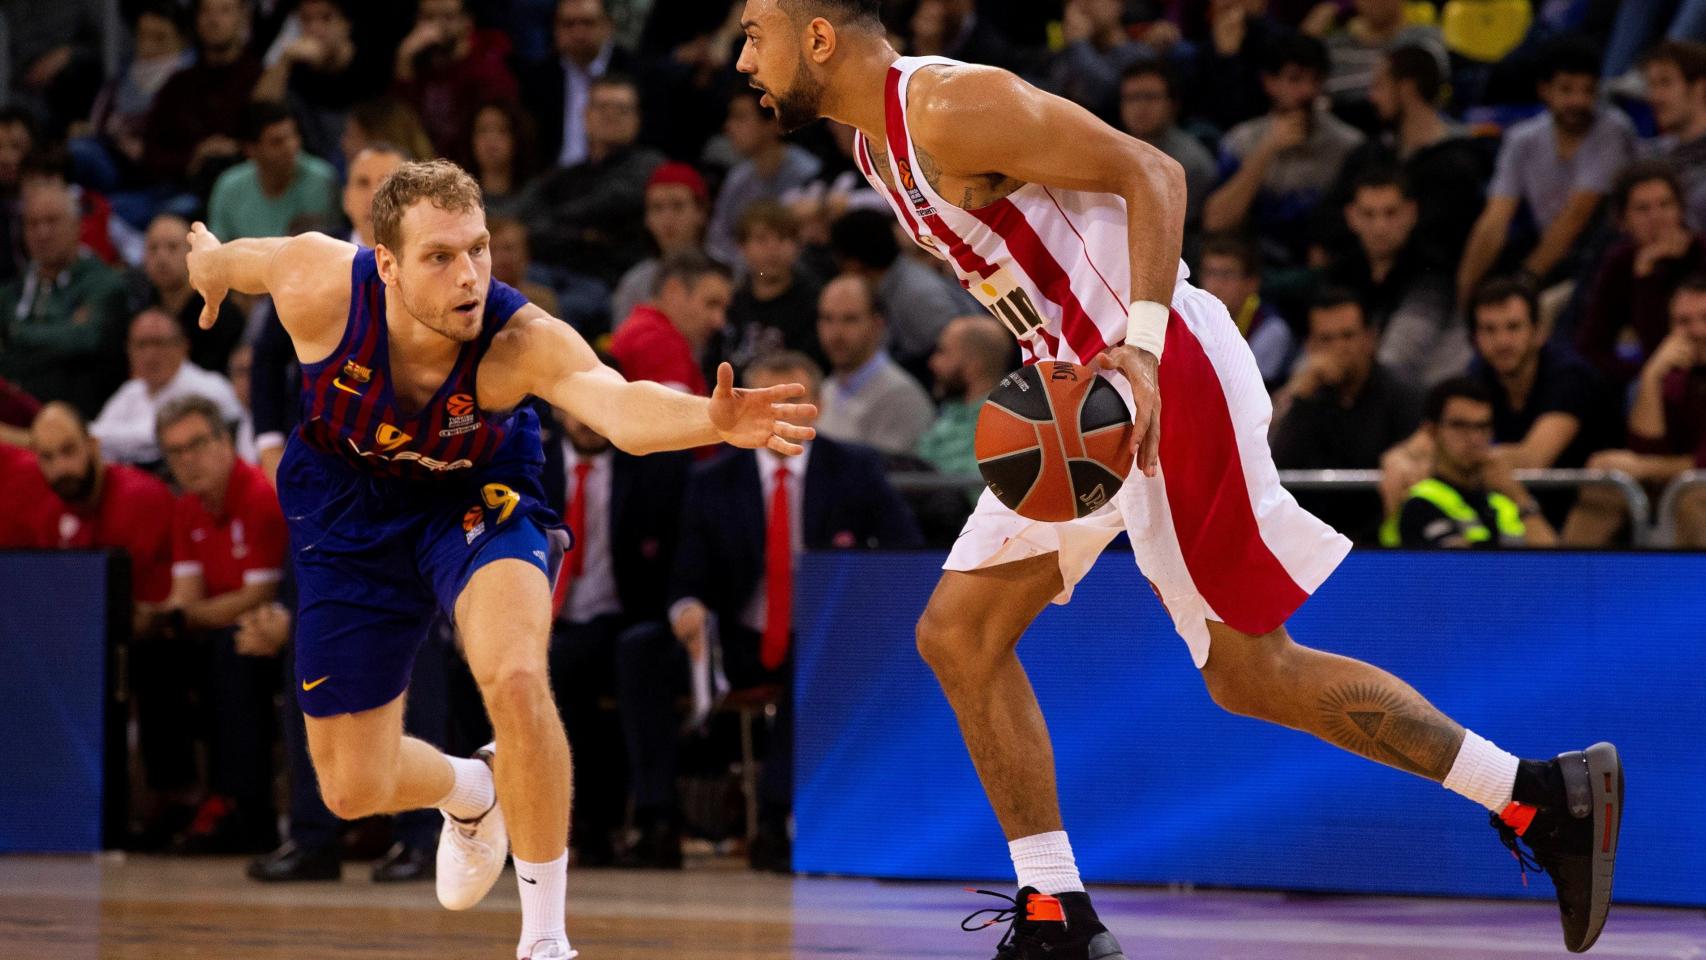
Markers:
(1392, 725)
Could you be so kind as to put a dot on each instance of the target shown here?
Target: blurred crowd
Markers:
(1463, 239)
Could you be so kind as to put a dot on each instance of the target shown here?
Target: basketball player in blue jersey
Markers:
(414, 483)
(1070, 233)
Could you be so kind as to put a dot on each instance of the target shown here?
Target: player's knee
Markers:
(353, 795)
(957, 644)
(1242, 675)
(517, 694)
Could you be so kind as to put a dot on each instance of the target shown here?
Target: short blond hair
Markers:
(439, 182)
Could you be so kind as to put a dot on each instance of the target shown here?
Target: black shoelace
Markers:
(1524, 860)
(1009, 944)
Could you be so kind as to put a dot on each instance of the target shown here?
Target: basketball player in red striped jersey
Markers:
(1070, 233)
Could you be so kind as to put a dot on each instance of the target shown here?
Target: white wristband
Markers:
(1146, 326)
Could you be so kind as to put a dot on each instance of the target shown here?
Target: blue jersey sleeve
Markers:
(502, 301)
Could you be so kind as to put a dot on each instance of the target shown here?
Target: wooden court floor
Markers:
(114, 908)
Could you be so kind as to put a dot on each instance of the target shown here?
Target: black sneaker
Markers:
(1575, 841)
(1061, 927)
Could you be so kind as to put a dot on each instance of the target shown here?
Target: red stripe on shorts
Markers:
(1230, 565)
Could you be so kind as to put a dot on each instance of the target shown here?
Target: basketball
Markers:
(1054, 441)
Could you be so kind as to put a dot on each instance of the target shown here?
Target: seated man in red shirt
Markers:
(22, 493)
(664, 340)
(98, 504)
(228, 549)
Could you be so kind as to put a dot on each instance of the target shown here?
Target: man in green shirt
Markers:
(62, 321)
(972, 356)
(1472, 500)
(277, 188)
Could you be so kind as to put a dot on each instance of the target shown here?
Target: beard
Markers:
(802, 104)
(952, 387)
(445, 323)
(75, 489)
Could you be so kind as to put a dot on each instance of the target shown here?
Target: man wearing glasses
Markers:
(1472, 499)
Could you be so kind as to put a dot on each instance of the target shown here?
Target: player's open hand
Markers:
(769, 417)
(1140, 369)
(205, 276)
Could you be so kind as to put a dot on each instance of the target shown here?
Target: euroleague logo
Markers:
(910, 184)
(473, 523)
(462, 416)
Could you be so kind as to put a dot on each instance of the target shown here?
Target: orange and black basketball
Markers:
(1054, 441)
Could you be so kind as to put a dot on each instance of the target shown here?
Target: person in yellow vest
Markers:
(1471, 499)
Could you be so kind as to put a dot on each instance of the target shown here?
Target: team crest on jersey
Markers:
(356, 372)
(462, 418)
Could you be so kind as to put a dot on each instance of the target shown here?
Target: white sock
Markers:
(1045, 863)
(544, 888)
(472, 794)
(1483, 773)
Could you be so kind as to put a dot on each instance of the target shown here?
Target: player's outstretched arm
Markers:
(553, 362)
(307, 275)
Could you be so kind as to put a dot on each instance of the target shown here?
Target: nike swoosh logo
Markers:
(306, 686)
(525, 880)
(339, 383)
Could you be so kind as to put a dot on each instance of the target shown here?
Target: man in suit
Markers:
(745, 518)
(623, 512)
(556, 90)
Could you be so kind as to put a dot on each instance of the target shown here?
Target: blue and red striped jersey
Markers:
(350, 410)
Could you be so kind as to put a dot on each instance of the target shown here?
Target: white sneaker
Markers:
(550, 950)
(471, 853)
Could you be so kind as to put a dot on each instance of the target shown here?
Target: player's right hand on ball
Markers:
(205, 276)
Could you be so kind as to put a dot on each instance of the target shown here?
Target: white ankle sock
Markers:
(1483, 773)
(544, 887)
(472, 793)
(1045, 863)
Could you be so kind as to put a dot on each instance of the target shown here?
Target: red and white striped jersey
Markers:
(1054, 266)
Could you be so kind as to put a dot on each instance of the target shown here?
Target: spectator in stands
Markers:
(1405, 293)
(1277, 167)
(21, 482)
(17, 411)
(1446, 168)
(1342, 409)
(1628, 307)
(192, 128)
(120, 114)
(664, 339)
(1355, 49)
(955, 29)
(385, 121)
(227, 558)
(1098, 51)
(915, 301)
(1240, 37)
(1472, 499)
(776, 307)
(624, 512)
(446, 69)
(102, 233)
(160, 372)
(591, 216)
(241, 373)
(277, 186)
(1149, 111)
(61, 323)
(164, 282)
(1557, 167)
(746, 516)
(512, 262)
(1231, 269)
(60, 51)
(868, 399)
(103, 505)
(678, 206)
(368, 169)
(557, 89)
(504, 156)
(17, 139)
(1675, 72)
(975, 353)
(323, 72)
(1667, 426)
(769, 169)
(1547, 404)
